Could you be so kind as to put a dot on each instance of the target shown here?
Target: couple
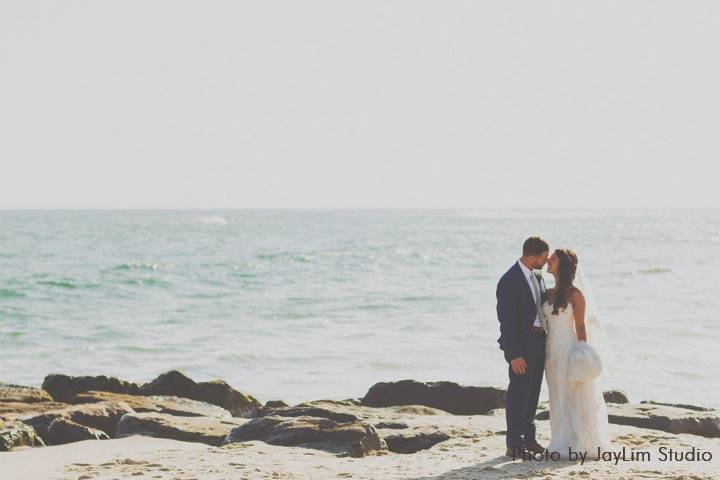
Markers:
(557, 330)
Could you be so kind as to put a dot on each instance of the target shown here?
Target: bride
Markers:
(573, 361)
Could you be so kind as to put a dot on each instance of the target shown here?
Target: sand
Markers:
(475, 452)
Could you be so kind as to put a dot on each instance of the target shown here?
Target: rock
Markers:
(275, 404)
(666, 418)
(543, 415)
(10, 411)
(414, 442)
(615, 396)
(181, 407)
(17, 434)
(308, 410)
(103, 416)
(63, 431)
(64, 387)
(209, 430)
(355, 438)
(392, 425)
(18, 394)
(447, 396)
(680, 405)
(418, 410)
(660, 417)
(216, 392)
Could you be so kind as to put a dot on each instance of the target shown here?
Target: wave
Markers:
(652, 271)
(67, 284)
(8, 293)
(124, 267)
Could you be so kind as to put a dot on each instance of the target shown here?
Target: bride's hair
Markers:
(567, 266)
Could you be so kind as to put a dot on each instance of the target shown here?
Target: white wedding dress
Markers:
(578, 415)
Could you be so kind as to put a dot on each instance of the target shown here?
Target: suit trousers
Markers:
(523, 393)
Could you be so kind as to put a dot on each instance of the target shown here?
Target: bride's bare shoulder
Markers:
(575, 296)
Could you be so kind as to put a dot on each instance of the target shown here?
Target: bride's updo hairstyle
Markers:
(567, 266)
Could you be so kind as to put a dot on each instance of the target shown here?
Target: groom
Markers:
(522, 339)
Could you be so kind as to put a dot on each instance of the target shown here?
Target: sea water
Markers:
(301, 305)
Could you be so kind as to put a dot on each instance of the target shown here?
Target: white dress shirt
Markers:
(534, 288)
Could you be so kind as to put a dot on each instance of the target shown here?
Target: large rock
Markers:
(413, 442)
(17, 434)
(65, 387)
(447, 396)
(660, 417)
(216, 392)
(209, 430)
(181, 407)
(63, 431)
(308, 410)
(103, 416)
(18, 394)
(615, 396)
(666, 418)
(355, 438)
(680, 405)
(12, 410)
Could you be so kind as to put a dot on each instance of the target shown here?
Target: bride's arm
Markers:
(578, 301)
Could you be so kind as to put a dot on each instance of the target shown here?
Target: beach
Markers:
(167, 437)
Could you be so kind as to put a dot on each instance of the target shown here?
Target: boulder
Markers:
(615, 396)
(181, 407)
(413, 442)
(103, 416)
(355, 439)
(275, 404)
(18, 394)
(63, 431)
(660, 417)
(209, 430)
(12, 410)
(392, 425)
(308, 410)
(216, 392)
(666, 418)
(17, 434)
(447, 396)
(64, 387)
(680, 405)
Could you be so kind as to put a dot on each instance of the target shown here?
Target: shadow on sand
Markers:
(503, 467)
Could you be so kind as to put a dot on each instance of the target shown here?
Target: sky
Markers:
(371, 104)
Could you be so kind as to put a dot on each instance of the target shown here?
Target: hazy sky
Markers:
(176, 104)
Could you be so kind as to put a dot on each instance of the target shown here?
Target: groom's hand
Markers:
(518, 365)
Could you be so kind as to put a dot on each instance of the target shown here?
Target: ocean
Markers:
(310, 304)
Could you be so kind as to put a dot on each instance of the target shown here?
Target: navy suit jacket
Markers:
(516, 312)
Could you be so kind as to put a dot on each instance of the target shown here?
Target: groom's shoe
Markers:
(515, 453)
(534, 447)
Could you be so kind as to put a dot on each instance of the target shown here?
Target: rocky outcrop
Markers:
(18, 394)
(64, 387)
(352, 438)
(660, 417)
(63, 431)
(103, 416)
(447, 396)
(308, 410)
(679, 405)
(17, 434)
(666, 418)
(615, 396)
(209, 430)
(413, 442)
(182, 407)
(216, 392)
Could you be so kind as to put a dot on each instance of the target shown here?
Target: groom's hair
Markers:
(535, 246)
